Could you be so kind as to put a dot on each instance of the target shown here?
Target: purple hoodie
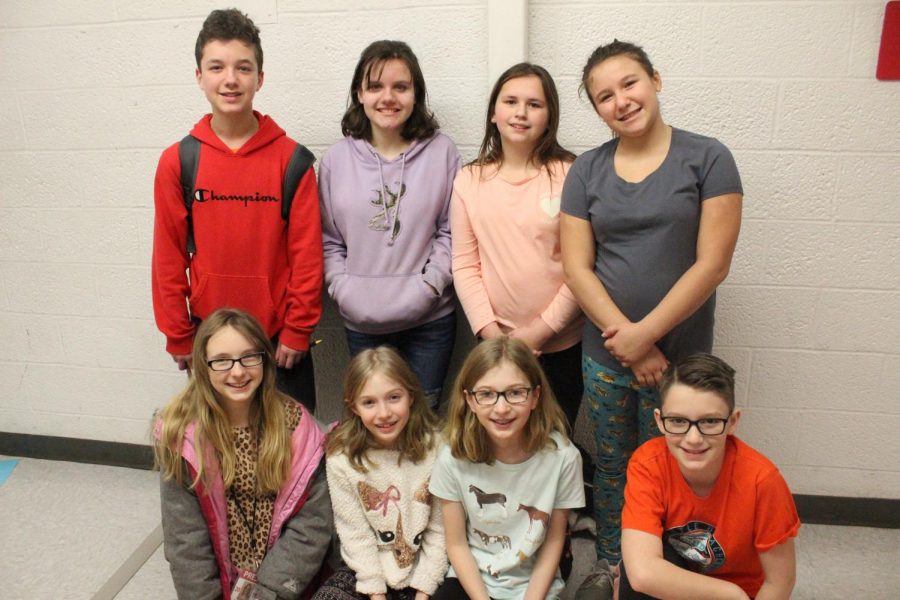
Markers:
(386, 232)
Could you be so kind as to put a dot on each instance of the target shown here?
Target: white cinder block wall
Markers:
(90, 93)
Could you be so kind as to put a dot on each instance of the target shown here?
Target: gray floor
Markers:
(89, 532)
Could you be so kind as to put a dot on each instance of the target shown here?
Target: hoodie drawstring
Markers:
(390, 221)
(394, 230)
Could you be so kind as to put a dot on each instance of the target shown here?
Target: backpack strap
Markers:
(189, 157)
(301, 161)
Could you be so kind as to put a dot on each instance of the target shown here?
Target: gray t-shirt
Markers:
(646, 233)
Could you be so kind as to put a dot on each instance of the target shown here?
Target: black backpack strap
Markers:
(189, 157)
(301, 161)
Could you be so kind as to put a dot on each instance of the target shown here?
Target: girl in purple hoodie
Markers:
(385, 196)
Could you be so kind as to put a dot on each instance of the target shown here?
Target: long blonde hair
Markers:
(463, 432)
(199, 403)
(352, 438)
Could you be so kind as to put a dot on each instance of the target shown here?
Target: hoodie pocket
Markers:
(335, 283)
(250, 294)
(384, 303)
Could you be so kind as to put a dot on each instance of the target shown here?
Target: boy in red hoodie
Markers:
(247, 255)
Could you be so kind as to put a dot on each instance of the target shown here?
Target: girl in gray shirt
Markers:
(650, 221)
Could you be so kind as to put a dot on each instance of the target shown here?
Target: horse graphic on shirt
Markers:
(486, 498)
(538, 515)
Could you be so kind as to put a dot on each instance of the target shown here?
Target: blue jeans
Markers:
(427, 348)
(622, 417)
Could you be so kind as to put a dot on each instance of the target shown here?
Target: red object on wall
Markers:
(889, 55)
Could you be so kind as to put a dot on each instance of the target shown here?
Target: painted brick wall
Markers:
(90, 93)
(810, 314)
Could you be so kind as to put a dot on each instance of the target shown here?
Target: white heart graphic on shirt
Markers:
(550, 205)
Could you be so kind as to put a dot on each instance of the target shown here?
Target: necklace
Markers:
(248, 524)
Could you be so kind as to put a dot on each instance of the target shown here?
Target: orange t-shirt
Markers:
(749, 511)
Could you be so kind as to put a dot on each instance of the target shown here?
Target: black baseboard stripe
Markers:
(837, 510)
(94, 452)
(820, 510)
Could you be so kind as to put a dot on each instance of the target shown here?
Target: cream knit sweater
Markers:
(389, 525)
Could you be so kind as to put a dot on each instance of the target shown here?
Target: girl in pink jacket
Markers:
(245, 505)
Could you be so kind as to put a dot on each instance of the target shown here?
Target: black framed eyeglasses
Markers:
(707, 426)
(516, 395)
(247, 360)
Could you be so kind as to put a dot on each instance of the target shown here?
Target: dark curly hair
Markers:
(421, 123)
(226, 25)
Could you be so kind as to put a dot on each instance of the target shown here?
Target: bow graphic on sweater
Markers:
(374, 499)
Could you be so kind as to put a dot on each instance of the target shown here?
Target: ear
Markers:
(353, 408)
(359, 95)
(470, 400)
(197, 75)
(535, 395)
(259, 81)
(733, 422)
(657, 81)
(658, 416)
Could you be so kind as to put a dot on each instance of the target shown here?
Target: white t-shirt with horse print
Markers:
(508, 510)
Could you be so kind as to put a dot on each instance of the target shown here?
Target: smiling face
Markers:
(235, 388)
(520, 112)
(503, 422)
(229, 76)
(699, 456)
(383, 407)
(625, 95)
(388, 97)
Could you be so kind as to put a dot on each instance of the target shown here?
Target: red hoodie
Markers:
(247, 256)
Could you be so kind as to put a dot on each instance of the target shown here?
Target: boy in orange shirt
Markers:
(706, 516)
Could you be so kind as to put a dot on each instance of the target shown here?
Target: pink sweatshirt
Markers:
(507, 265)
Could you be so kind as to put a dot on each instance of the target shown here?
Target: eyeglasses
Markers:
(247, 360)
(490, 397)
(707, 426)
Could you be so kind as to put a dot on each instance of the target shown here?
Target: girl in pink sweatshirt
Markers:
(504, 217)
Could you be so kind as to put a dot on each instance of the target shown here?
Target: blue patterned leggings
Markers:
(622, 416)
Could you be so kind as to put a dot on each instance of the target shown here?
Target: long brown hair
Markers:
(199, 403)
(421, 123)
(465, 435)
(352, 438)
(548, 148)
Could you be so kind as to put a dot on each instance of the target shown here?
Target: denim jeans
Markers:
(622, 417)
(427, 348)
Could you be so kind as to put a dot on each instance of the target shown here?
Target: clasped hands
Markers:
(635, 349)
